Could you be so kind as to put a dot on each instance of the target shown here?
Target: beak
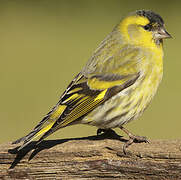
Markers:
(162, 34)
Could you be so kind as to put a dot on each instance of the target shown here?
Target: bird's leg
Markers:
(132, 139)
(107, 131)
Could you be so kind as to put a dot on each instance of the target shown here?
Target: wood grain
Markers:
(94, 157)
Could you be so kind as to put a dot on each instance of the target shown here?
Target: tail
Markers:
(37, 131)
(42, 128)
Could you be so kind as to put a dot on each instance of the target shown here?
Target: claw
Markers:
(99, 131)
(133, 139)
(108, 132)
(127, 144)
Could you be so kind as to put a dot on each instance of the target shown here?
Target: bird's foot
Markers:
(105, 131)
(134, 139)
(100, 131)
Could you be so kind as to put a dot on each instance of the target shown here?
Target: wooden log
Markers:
(94, 157)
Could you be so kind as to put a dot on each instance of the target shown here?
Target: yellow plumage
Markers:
(117, 83)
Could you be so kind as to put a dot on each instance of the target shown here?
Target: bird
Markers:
(116, 84)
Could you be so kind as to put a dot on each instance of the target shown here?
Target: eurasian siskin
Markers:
(117, 83)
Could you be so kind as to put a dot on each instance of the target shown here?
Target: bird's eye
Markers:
(147, 27)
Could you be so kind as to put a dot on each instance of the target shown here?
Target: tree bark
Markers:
(94, 157)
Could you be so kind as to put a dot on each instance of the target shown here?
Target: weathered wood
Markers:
(92, 158)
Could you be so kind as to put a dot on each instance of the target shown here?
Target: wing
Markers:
(99, 80)
(80, 99)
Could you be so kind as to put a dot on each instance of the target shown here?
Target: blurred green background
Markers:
(45, 43)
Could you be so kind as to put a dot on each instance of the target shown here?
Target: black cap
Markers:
(153, 17)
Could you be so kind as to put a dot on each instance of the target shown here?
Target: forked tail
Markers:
(44, 126)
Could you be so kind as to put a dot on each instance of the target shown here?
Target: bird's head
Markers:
(144, 28)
